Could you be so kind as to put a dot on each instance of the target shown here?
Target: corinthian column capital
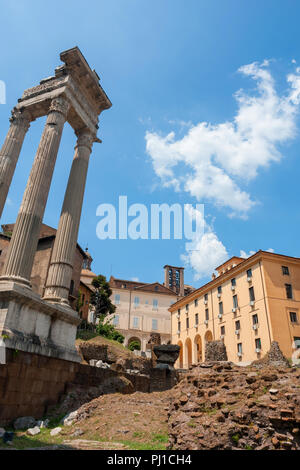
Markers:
(85, 138)
(20, 118)
(59, 105)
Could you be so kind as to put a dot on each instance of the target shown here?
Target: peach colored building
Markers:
(142, 309)
(248, 304)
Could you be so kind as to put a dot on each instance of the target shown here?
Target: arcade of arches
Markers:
(192, 353)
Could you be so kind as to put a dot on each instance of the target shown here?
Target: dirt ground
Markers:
(137, 421)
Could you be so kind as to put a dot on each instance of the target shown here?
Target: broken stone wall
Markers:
(215, 351)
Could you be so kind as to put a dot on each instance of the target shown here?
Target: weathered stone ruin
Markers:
(166, 355)
(228, 407)
(215, 351)
(274, 357)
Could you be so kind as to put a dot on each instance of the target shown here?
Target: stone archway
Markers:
(134, 339)
(197, 349)
(188, 356)
(180, 358)
(208, 336)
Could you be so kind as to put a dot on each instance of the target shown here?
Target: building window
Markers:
(219, 289)
(116, 320)
(136, 301)
(235, 301)
(237, 325)
(196, 319)
(177, 278)
(251, 294)
(196, 302)
(117, 299)
(156, 288)
(179, 326)
(257, 343)
(187, 323)
(170, 278)
(285, 270)
(293, 317)
(254, 319)
(240, 348)
(222, 330)
(154, 324)
(206, 314)
(135, 322)
(289, 291)
(187, 307)
(233, 282)
(155, 304)
(297, 342)
(205, 297)
(221, 308)
(249, 273)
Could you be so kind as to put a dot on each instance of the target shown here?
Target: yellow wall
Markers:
(279, 306)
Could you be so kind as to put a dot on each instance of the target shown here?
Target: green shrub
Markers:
(109, 331)
(134, 345)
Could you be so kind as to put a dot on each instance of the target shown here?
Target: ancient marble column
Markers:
(23, 244)
(10, 151)
(61, 264)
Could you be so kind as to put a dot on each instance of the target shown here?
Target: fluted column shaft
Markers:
(23, 244)
(10, 152)
(61, 264)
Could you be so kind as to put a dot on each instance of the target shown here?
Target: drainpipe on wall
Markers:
(129, 311)
(265, 302)
(212, 313)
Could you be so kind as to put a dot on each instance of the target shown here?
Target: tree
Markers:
(101, 298)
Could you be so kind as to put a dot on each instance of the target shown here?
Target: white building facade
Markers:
(142, 309)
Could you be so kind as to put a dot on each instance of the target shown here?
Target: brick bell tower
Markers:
(174, 279)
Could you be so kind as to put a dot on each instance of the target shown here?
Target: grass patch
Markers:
(22, 440)
(162, 438)
(151, 445)
(191, 424)
(235, 438)
(85, 335)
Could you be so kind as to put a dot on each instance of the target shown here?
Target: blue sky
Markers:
(171, 68)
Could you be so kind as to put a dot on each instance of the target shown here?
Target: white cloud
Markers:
(212, 161)
(206, 251)
(243, 253)
(208, 254)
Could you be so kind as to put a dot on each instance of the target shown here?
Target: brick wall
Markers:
(29, 383)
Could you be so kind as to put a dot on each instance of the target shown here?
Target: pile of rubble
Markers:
(219, 405)
(274, 357)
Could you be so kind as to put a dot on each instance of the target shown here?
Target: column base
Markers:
(58, 301)
(30, 324)
(16, 279)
